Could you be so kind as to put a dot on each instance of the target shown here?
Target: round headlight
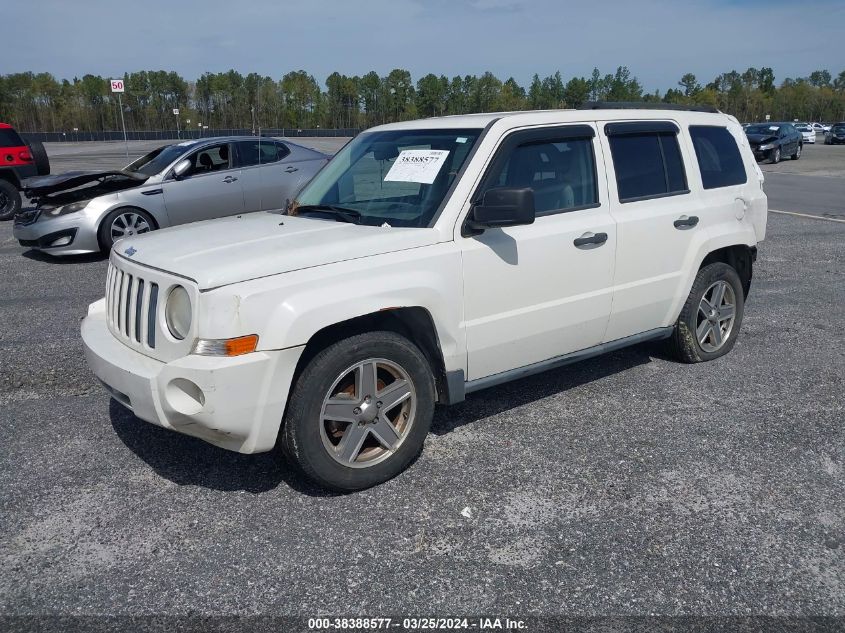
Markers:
(178, 312)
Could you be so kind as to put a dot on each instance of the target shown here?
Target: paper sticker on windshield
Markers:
(774, 128)
(417, 165)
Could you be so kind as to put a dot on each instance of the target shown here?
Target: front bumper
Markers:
(34, 229)
(236, 403)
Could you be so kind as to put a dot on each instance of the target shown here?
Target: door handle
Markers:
(291, 169)
(684, 222)
(590, 240)
(230, 179)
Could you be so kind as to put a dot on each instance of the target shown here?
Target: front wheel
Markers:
(124, 222)
(797, 153)
(709, 323)
(775, 156)
(359, 411)
(10, 200)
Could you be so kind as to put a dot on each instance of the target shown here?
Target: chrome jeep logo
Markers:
(130, 251)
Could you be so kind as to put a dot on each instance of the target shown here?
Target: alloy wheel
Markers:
(367, 413)
(127, 224)
(716, 315)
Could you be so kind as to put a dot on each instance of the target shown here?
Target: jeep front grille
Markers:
(131, 306)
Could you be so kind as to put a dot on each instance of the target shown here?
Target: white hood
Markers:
(228, 250)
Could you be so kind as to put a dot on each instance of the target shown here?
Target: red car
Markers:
(18, 160)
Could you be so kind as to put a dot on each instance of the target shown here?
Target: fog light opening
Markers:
(184, 396)
(62, 241)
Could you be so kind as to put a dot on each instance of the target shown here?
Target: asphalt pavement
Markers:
(626, 485)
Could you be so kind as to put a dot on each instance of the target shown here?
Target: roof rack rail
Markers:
(644, 105)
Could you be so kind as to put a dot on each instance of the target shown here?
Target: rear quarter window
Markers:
(719, 160)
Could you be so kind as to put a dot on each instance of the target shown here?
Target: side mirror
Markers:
(501, 207)
(181, 168)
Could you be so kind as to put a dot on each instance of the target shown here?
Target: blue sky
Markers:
(658, 41)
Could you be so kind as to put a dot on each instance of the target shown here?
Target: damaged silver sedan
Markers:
(86, 212)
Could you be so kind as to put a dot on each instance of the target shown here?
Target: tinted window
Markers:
(10, 138)
(561, 173)
(718, 156)
(647, 165)
(259, 152)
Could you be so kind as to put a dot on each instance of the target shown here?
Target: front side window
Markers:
(398, 177)
(647, 165)
(719, 160)
(561, 173)
(210, 159)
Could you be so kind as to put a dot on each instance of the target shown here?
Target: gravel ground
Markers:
(623, 485)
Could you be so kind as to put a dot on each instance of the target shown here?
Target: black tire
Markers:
(797, 153)
(104, 236)
(10, 200)
(302, 438)
(684, 343)
(774, 157)
(39, 155)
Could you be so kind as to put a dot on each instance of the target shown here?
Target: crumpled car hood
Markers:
(239, 248)
(46, 185)
(760, 138)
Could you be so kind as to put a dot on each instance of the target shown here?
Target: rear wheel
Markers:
(709, 322)
(121, 223)
(10, 200)
(359, 411)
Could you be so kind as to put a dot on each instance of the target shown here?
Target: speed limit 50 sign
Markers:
(117, 85)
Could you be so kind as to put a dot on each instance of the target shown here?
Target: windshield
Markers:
(839, 129)
(398, 177)
(158, 159)
(762, 129)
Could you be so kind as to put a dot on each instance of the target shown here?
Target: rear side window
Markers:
(259, 152)
(718, 156)
(10, 138)
(647, 165)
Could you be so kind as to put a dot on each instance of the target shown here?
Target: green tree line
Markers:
(38, 102)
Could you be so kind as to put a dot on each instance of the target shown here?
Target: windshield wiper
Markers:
(341, 213)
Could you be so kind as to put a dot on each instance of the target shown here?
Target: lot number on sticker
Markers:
(417, 165)
(117, 85)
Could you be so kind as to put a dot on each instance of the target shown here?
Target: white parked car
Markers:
(820, 127)
(429, 260)
(808, 133)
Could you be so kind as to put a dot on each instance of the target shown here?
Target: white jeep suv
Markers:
(428, 260)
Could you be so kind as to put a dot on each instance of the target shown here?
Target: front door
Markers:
(543, 290)
(210, 189)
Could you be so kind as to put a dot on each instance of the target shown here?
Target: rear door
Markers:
(658, 220)
(210, 189)
(267, 176)
(535, 292)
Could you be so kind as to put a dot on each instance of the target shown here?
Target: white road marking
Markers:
(807, 215)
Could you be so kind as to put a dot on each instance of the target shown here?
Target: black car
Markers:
(773, 141)
(835, 135)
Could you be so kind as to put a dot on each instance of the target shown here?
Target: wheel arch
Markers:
(413, 322)
(740, 257)
(121, 207)
(10, 176)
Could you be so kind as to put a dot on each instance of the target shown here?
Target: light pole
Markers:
(252, 109)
